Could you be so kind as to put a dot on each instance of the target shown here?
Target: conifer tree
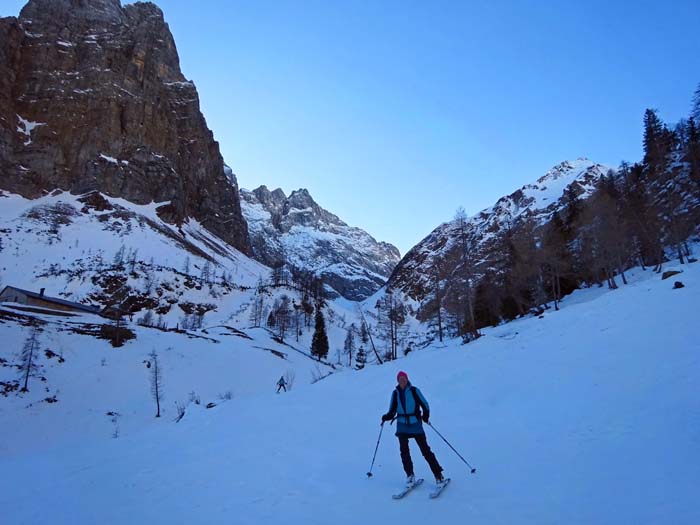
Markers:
(655, 148)
(572, 211)
(641, 215)
(695, 111)
(692, 150)
(360, 358)
(364, 335)
(319, 341)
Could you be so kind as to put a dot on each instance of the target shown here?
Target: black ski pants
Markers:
(424, 449)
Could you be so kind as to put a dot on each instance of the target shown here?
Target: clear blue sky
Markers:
(393, 114)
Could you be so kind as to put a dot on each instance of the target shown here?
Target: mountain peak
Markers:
(93, 99)
(301, 200)
(60, 12)
(567, 167)
(533, 201)
(297, 231)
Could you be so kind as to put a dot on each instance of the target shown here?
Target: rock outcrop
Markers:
(92, 98)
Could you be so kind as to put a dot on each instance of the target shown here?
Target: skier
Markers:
(406, 404)
(281, 384)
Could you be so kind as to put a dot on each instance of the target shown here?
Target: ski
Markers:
(438, 490)
(407, 489)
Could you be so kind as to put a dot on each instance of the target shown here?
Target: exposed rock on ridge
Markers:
(296, 230)
(414, 275)
(92, 98)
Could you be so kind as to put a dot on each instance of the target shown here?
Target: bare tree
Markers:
(436, 270)
(156, 380)
(556, 258)
(678, 221)
(256, 314)
(119, 256)
(391, 314)
(282, 315)
(147, 319)
(27, 365)
(206, 272)
(308, 309)
(296, 314)
(349, 344)
(132, 259)
(467, 271)
(369, 335)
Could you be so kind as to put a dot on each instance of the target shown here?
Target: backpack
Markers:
(417, 403)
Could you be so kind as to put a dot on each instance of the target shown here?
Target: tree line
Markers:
(640, 214)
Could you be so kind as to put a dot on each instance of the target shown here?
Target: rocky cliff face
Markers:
(92, 98)
(297, 231)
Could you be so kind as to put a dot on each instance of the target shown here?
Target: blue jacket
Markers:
(406, 405)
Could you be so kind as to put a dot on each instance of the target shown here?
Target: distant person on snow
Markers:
(406, 405)
(281, 384)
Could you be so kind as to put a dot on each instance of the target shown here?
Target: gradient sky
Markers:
(393, 114)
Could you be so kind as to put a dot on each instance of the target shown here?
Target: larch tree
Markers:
(437, 275)
(467, 274)
(283, 315)
(156, 379)
(28, 357)
(349, 344)
(557, 257)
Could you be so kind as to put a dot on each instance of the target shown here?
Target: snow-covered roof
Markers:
(56, 300)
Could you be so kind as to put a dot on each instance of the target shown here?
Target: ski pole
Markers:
(369, 474)
(453, 449)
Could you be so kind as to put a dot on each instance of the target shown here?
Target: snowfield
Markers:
(590, 415)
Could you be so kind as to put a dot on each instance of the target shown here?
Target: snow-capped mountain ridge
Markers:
(541, 199)
(296, 231)
(536, 201)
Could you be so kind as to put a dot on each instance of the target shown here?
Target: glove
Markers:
(426, 417)
(386, 417)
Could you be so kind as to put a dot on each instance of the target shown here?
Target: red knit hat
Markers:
(402, 373)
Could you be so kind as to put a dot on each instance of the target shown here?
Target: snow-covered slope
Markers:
(584, 416)
(296, 231)
(100, 250)
(194, 291)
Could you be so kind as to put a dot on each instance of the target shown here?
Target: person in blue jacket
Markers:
(411, 409)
